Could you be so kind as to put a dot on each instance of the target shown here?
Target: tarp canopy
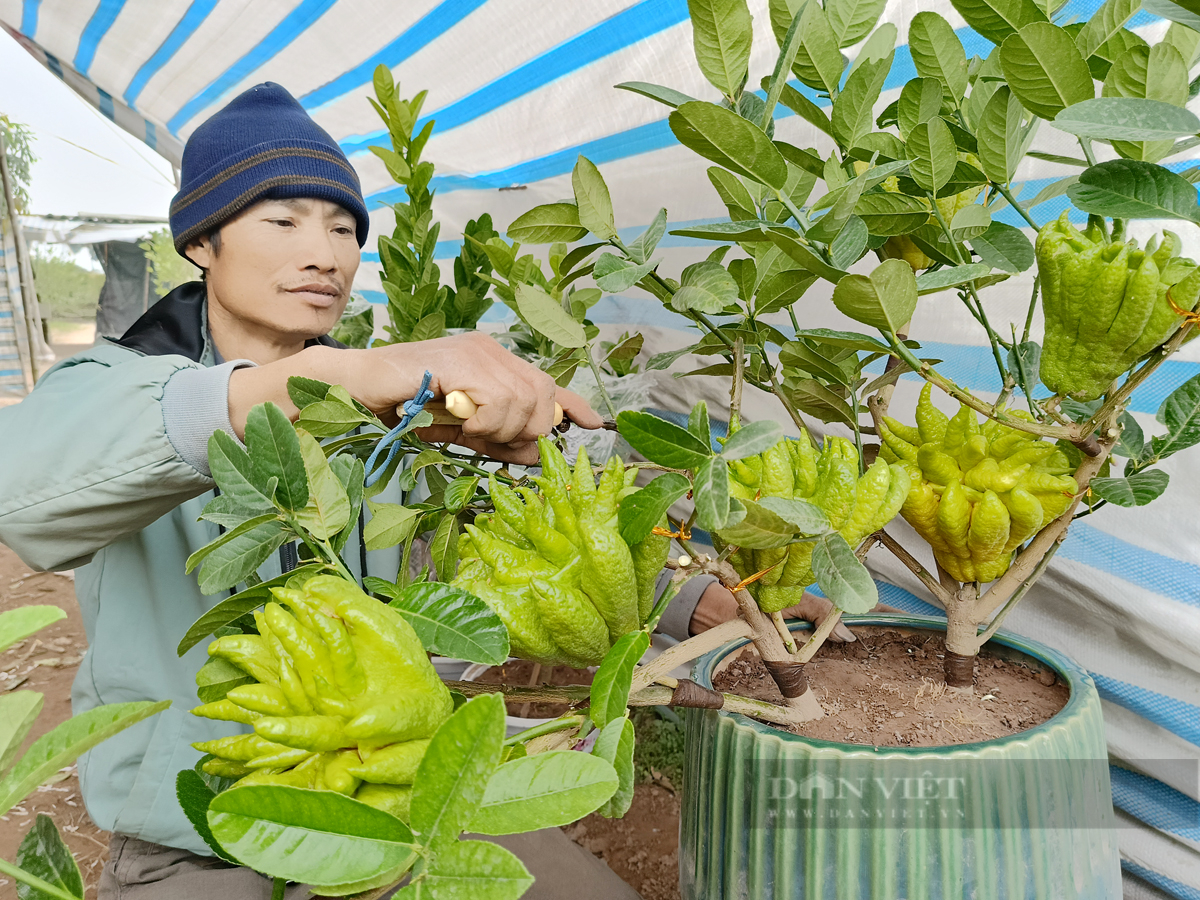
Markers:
(518, 90)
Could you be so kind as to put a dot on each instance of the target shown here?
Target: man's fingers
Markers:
(577, 409)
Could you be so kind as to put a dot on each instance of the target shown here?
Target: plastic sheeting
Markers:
(518, 90)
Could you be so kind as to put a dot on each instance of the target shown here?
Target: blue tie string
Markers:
(391, 440)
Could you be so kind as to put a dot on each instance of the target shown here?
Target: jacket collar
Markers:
(178, 325)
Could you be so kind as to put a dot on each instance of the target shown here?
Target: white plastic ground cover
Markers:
(518, 90)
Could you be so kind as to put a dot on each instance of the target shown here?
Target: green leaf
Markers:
(722, 136)
(454, 623)
(238, 605)
(304, 391)
(548, 223)
(546, 316)
(853, 115)
(544, 791)
(721, 35)
(1004, 247)
(1107, 21)
(847, 339)
(664, 95)
(698, 422)
(66, 741)
(781, 290)
(885, 299)
(841, 577)
(18, 711)
(1027, 356)
(455, 770)
(852, 20)
(850, 244)
(235, 475)
(1156, 73)
(218, 677)
(997, 19)
(314, 837)
(592, 200)
(643, 509)
(328, 508)
(234, 561)
(801, 251)
(804, 517)
(661, 441)
(741, 232)
(1044, 69)
(818, 63)
(969, 222)
(615, 745)
(443, 547)
(195, 797)
(18, 624)
(643, 245)
(789, 47)
(920, 100)
(887, 214)
(614, 274)
(329, 418)
(273, 446)
(390, 524)
(841, 202)
(941, 279)
(611, 684)
(1130, 444)
(706, 287)
(351, 473)
(43, 855)
(243, 526)
(759, 529)
(934, 155)
(938, 53)
(473, 870)
(1001, 137)
(1137, 490)
(752, 439)
(1127, 119)
(710, 492)
(429, 327)
(1180, 412)
(814, 398)
(459, 492)
(1130, 189)
(805, 109)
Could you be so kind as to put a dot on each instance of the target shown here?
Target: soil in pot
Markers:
(523, 673)
(886, 690)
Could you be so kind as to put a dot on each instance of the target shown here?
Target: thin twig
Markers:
(932, 584)
(785, 635)
(987, 634)
(685, 651)
(819, 635)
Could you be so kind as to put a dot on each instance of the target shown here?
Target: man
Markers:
(108, 470)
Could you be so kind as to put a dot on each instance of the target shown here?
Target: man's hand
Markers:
(515, 399)
(717, 605)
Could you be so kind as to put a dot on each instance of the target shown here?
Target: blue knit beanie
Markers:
(262, 145)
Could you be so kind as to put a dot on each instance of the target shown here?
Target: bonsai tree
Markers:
(911, 201)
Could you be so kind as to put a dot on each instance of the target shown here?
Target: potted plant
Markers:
(918, 187)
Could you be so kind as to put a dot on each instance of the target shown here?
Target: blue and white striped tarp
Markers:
(518, 90)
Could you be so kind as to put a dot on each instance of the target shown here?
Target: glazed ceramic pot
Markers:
(769, 815)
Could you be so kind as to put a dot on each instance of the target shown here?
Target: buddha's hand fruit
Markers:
(344, 695)
(1106, 304)
(554, 567)
(855, 505)
(978, 491)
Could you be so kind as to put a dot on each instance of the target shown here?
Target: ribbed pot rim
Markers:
(1075, 676)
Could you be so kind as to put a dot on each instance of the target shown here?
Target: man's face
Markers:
(283, 266)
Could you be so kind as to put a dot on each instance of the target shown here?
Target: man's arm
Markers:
(515, 399)
(89, 457)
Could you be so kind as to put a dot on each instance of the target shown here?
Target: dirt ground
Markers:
(887, 690)
(47, 663)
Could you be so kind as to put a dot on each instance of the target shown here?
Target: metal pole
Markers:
(33, 318)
